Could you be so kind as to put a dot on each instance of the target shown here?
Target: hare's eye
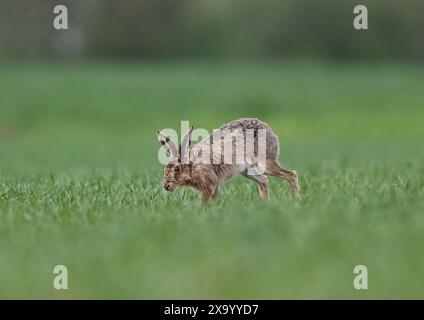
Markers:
(177, 169)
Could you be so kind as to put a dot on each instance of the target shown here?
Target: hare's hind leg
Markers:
(262, 182)
(273, 168)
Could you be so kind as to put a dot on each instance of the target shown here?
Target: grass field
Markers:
(80, 183)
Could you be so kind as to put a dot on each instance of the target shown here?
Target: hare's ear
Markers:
(169, 145)
(185, 147)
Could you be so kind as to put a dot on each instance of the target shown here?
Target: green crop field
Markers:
(80, 183)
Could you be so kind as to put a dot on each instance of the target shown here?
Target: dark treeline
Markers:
(212, 28)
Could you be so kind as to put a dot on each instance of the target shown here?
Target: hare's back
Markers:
(243, 124)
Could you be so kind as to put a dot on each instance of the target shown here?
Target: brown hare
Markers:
(204, 168)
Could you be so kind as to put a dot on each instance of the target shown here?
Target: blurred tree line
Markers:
(212, 28)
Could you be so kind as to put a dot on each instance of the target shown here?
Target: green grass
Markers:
(80, 183)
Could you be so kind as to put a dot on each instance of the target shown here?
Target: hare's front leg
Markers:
(209, 192)
(215, 193)
(207, 195)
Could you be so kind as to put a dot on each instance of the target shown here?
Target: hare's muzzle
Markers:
(168, 187)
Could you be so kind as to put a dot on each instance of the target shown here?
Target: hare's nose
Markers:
(167, 187)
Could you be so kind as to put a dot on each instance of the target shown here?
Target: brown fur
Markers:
(207, 177)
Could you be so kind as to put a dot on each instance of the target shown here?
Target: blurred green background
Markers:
(187, 29)
(80, 183)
